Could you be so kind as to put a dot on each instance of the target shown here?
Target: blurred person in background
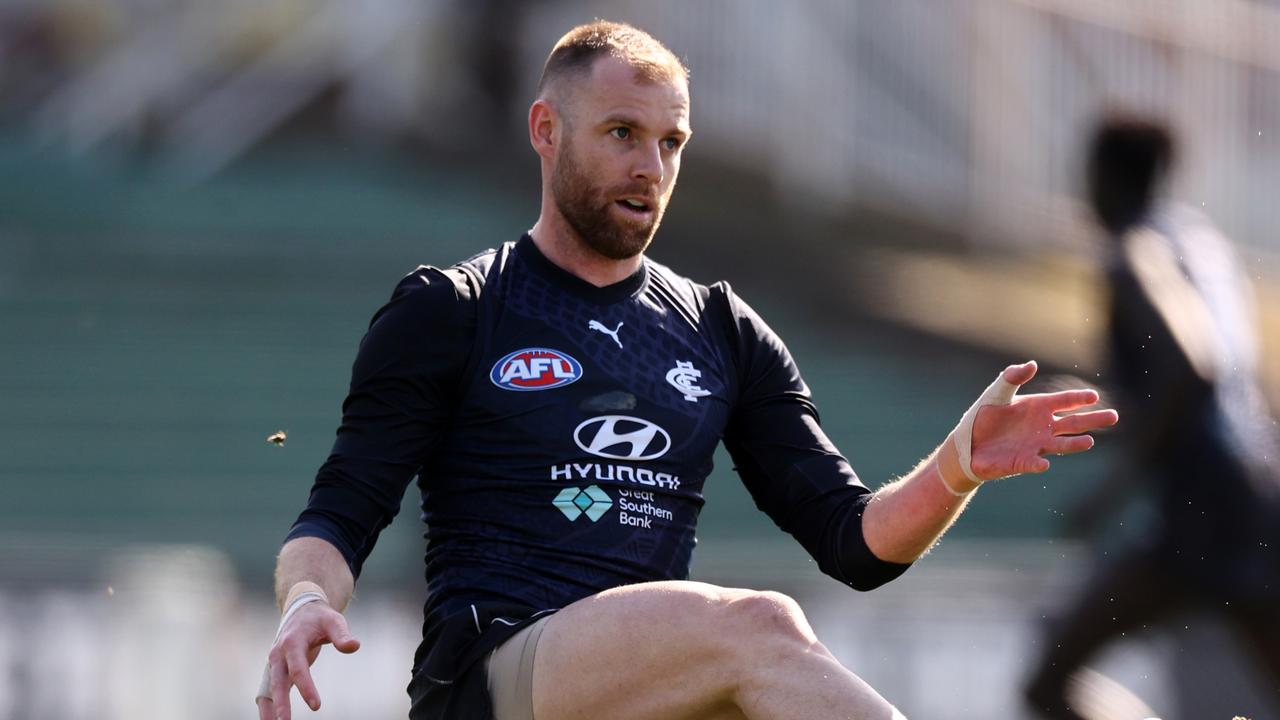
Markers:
(1183, 367)
(559, 400)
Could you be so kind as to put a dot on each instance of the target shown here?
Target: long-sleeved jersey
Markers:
(561, 434)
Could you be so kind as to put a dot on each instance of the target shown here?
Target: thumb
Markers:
(335, 627)
(1020, 374)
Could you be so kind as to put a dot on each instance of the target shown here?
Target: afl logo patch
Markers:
(535, 369)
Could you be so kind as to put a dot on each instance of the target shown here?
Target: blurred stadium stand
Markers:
(967, 114)
(201, 204)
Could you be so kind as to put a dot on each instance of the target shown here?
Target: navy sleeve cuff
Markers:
(856, 566)
(318, 524)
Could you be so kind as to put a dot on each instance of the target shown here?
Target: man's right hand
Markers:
(296, 647)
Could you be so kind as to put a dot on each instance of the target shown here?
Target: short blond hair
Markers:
(577, 51)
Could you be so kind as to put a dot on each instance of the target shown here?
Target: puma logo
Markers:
(595, 325)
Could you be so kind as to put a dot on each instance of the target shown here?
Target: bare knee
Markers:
(768, 641)
(741, 631)
(766, 627)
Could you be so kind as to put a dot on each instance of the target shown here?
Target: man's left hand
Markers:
(1016, 438)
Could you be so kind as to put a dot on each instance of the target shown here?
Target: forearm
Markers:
(311, 559)
(906, 517)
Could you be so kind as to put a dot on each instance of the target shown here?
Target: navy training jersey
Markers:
(561, 434)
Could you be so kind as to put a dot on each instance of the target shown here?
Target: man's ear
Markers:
(544, 122)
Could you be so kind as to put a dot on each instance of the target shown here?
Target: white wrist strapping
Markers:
(1000, 392)
(303, 598)
(943, 479)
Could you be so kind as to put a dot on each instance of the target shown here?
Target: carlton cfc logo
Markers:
(535, 369)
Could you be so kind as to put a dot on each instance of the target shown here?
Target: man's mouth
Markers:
(635, 206)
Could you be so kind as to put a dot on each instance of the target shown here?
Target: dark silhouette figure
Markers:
(1183, 354)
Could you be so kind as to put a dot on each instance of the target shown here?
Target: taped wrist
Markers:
(937, 466)
(1000, 392)
(297, 591)
(299, 595)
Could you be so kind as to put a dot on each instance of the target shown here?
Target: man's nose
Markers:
(647, 163)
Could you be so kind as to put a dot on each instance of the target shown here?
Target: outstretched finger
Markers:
(300, 675)
(1032, 464)
(279, 702)
(1067, 445)
(1068, 400)
(1085, 422)
(265, 709)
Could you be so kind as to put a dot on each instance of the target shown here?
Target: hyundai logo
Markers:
(620, 437)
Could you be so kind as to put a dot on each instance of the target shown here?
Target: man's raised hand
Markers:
(1012, 434)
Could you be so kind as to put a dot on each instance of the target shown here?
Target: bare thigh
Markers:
(686, 651)
(639, 651)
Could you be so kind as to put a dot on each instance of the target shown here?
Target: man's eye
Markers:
(622, 133)
(671, 144)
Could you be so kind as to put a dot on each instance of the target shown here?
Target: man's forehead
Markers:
(615, 86)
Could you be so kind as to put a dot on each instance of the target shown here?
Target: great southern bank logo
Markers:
(535, 369)
(592, 502)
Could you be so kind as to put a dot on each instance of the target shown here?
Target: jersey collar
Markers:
(630, 286)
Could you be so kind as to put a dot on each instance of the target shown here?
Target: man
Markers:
(1184, 360)
(559, 400)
